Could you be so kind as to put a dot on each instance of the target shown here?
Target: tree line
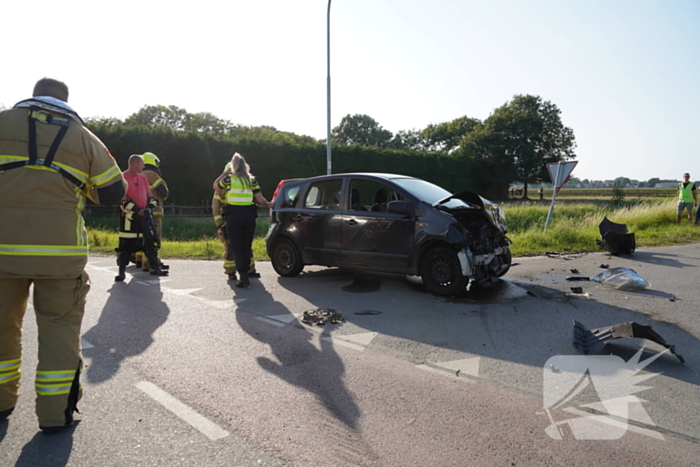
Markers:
(512, 145)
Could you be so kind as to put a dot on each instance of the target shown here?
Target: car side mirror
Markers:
(401, 207)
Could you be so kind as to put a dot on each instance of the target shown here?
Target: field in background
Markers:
(573, 229)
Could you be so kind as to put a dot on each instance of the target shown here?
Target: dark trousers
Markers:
(240, 223)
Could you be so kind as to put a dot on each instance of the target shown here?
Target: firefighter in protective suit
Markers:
(160, 192)
(49, 163)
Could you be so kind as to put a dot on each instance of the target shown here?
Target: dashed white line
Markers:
(202, 424)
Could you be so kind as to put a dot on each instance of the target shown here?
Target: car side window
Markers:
(324, 195)
(290, 195)
(371, 196)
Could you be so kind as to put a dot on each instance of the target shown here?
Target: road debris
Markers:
(621, 279)
(577, 278)
(322, 316)
(579, 295)
(574, 271)
(368, 312)
(616, 238)
(592, 341)
(576, 289)
(604, 266)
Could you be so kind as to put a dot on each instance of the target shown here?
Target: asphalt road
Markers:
(187, 370)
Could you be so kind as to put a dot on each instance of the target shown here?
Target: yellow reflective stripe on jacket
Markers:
(55, 376)
(43, 250)
(7, 377)
(50, 383)
(79, 174)
(106, 176)
(129, 235)
(8, 365)
(156, 183)
(9, 370)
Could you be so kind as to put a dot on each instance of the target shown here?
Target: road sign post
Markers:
(559, 173)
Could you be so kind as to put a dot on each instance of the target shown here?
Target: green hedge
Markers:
(191, 161)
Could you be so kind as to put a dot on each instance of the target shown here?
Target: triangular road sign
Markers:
(559, 172)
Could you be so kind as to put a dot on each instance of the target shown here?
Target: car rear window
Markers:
(290, 196)
(324, 195)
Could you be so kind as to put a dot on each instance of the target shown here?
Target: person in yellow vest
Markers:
(218, 203)
(49, 163)
(241, 191)
(160, 192)
(687, 197)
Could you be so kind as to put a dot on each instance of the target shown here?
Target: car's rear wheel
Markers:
(442, 273)
(507, 259)
(286, 259)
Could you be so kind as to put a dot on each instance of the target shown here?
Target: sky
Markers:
(625, 74)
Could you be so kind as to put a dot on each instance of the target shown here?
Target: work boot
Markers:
(164, 266)
(254, 274)
(232, 276)
(244, 283)
(158, 272)
(5, 413)
(139, 265)
(49, 430)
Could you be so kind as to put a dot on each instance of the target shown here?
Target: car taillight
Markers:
(274, 195)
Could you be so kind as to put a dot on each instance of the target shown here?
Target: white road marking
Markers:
(445, 372)
(286, 318)
(336, 341)
(466, 366)
(206, 427)
(635, 413)
(364, 338)
(273, 322)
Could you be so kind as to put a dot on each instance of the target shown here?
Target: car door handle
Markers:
(351, 222)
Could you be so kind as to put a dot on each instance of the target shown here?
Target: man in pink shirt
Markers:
(135, 233)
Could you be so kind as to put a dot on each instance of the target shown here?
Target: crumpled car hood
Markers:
(473, 200)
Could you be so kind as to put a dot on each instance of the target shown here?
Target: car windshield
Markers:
(426, 191)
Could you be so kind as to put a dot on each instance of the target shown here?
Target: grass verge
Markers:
(572, 229)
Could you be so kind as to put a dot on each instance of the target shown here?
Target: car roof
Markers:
(352, 174)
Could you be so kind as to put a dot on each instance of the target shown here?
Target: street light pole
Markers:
(328, 88)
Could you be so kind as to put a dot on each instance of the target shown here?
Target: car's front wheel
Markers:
(286, 259)
(442, 273)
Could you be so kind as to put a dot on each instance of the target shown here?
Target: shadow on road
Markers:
(48, 450)
(660, 259)
(526, 328)
(126, 325)
(297, 360)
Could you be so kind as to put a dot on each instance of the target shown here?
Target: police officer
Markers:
(160, 192)
(241, 189)
(44, 243)
(218, 203)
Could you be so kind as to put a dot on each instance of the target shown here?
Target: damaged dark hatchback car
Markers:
(388, 223)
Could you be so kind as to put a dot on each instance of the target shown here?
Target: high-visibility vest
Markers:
(685, 195)
(239, 193)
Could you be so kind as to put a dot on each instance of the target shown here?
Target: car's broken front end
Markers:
(483, 250)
